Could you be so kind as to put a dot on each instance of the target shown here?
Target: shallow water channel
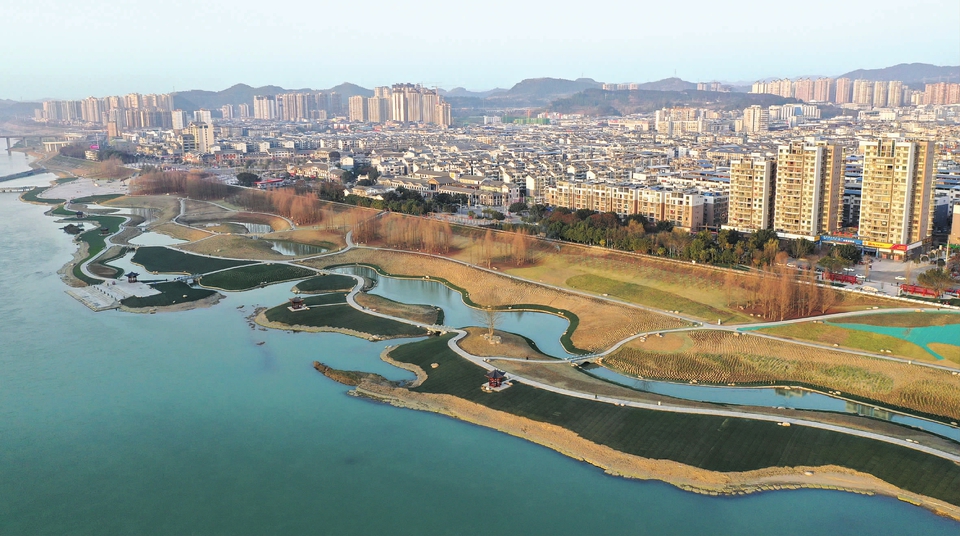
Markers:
(771, 397)
(542, 328)
(295, 249)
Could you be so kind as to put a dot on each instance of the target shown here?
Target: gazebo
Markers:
(496, 378)
(104, 231)
(297, 304)
(132, 277)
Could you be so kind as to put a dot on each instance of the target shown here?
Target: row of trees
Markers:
(301, 209)
(400, 200)
(195, 185)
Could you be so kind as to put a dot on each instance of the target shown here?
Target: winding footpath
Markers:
(696, 324)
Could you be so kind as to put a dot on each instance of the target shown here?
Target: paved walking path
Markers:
(697, 324)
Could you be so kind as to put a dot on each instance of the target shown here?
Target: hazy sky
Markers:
(71, 49)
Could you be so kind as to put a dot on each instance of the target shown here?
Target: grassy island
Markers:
(173, 293)
(162, 259)
(330, 312)
(248, 277)
(705, 442)
(326, 283)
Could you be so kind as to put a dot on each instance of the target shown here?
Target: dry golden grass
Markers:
(950, 352)
(180, 232)
(425, 314)
(234, 247)
(510, 345)
(193, 207)
(275, 222)
(722, 357)
(315, 237)
(601, 323)
(169, 207)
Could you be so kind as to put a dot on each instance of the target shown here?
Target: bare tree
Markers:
(489, 318)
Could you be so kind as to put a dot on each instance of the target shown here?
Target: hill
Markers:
(539, 91)
(10, 109)
(910, 73)
(242, 93)
(462, 92)
(599, 102)
(669, 84)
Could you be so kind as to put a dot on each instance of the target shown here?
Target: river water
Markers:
(179, 423)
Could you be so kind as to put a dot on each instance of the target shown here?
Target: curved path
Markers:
(716, 412)
(697, 324)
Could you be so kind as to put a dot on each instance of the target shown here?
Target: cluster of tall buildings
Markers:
(313, 106)
(878, 94)
(123, 111)
(799, 191)
(403, 103)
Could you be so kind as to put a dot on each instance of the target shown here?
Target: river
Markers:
(180, 423)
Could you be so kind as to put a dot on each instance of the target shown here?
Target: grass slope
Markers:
(170, 294)
(247, 277)
(343, 317)
(95, 199)
(31, 197)
(649, 296)
(326, 283)
(905, 320)
(850, 338)
(161, 259)
(714, 443)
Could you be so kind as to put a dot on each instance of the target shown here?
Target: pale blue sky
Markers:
(71, 49)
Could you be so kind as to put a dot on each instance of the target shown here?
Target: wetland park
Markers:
(658, 388)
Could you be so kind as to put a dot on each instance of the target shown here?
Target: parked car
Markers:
(900, 278)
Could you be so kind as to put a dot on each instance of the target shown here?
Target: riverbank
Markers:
(261, 320)
(202, 303)
(617, 463)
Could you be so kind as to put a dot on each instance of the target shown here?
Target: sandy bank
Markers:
(261, 319)
(626, 465)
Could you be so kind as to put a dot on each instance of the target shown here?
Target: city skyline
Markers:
(500, 44)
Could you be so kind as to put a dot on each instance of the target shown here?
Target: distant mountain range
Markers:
(599, 102)
(242, 93)
(532, 92)
(11, 108)
(910, 73)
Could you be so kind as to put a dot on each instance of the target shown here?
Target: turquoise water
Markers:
(114, 423)
(921, 336)
(542, 328)
(772, 397)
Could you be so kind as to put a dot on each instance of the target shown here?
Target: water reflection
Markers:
(542, 328)
(295, 249)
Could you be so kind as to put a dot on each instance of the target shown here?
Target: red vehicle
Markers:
(917, 290)
(842, 278)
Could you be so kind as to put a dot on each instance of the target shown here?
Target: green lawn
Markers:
(96, 242)
(162, 259)
(247, 277)
(849, 338)
(31, 196)
(714, 443)
(170, 294)
(341, 316)
(904, 320)
(95, 199)
(652, 297)
(325, 283)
